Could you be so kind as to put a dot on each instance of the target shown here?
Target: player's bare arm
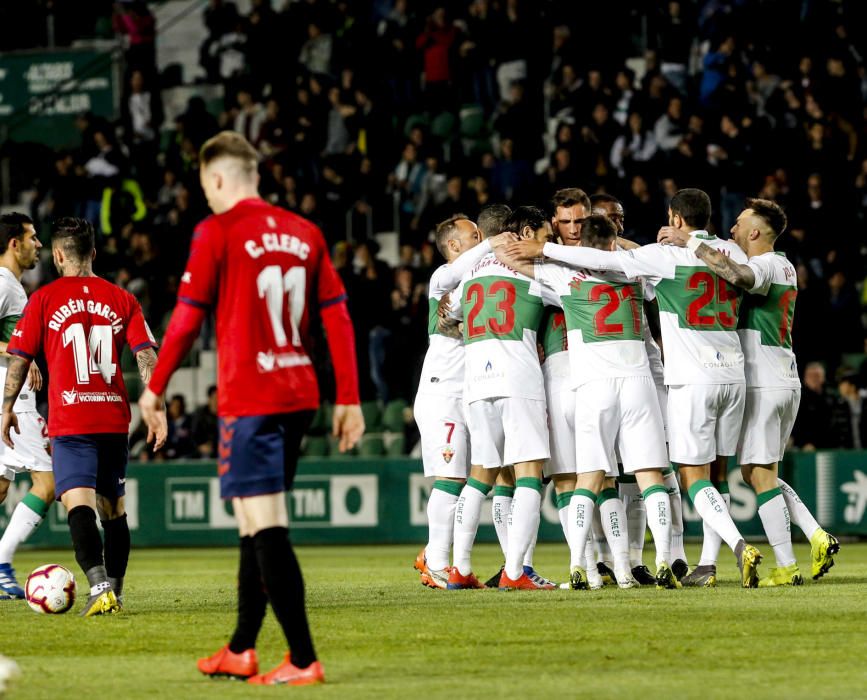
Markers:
(15, 376)
(626, 244)
(517, 264)
(147, 360)
(156, 421)
(731, 271)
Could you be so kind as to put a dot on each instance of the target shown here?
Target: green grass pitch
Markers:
(382, 635)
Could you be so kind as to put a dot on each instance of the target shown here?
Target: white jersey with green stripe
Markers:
(442, 373)
(13, 299)
(501, 311)
(765, 323)
(698, 311)
(604, 319)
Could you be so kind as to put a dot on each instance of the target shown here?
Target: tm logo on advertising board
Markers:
(194, 503)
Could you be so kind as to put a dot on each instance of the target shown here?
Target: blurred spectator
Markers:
(204, 426)
(823, 418)
(853, 396)
(133, 19)
(179, 443)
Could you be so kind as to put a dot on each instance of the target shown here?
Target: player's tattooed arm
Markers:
(16, 373)
(739, 275)
(147, 360)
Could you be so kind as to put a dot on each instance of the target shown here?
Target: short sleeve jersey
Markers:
(604, 318)
(13, 299)
(502, 310)
(259, 265)
(765, 323)
(443, 370)
(81, 325)
(698, 311)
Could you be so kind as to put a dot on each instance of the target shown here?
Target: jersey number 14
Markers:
(93, 354)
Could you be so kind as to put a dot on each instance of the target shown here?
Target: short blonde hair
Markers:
(230, 144)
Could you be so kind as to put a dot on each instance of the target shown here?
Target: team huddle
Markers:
(542, 366)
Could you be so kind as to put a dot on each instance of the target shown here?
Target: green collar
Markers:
(704, 235)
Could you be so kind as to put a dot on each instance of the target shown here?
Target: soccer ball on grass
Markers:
(50, 589)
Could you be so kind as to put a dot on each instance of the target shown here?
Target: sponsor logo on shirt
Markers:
(187, 277)
(17, 333)
(270, 361)
(73, 396)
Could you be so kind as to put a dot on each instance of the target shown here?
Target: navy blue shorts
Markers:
(259, 454)
(90, 461)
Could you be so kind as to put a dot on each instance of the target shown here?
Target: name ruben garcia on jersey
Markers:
(78, 306)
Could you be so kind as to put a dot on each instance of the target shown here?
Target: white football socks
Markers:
(798, 512)
(441, 522)
(775, 521)
(27, 516)
(674, 497)
(467, 513)
(500, 510)
(636, 521)
(712, 508)
(612, 513)
(524, 523)
(659, 521)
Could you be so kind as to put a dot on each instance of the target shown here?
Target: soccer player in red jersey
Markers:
(258, 266)
(81, 322)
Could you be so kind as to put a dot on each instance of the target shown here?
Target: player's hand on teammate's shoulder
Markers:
(524, 250)
(668, 235)
(10, 420)
(626, 244)
(34, 377)
(348, 425)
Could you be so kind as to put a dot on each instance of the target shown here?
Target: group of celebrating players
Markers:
(542, 366)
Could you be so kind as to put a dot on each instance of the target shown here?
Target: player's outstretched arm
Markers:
(732, 272)
(16, 373)
(579, 256)
(158, 430)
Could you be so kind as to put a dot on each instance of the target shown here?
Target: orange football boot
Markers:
(458, 582)
(227, 663)
(523, 582)
(287, 674)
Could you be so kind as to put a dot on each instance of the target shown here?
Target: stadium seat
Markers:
(372, 416)
(315, 446)
(473, 124)
(396, 446)
(853, 360)
(372, 445)
(414, 120)
(392, 417)
(443, 126)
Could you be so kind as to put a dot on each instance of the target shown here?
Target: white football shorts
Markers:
(621, 413)
(31, 447)
(769, 416)
(507, 431)
(704, 420)
(445, 445)
(561, 405)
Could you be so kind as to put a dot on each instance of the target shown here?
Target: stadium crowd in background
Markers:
(462, 104)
